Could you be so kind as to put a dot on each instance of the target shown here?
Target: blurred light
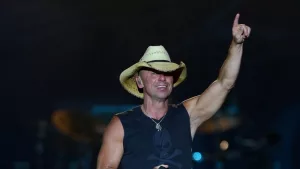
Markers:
(21, 165)
(224, 145)
(111, 109)
(197, 156)
(233, 109)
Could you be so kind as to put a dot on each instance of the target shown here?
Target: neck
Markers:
(155, 109)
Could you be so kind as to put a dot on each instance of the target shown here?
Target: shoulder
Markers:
(179, 108)
(190, 103)
(127, 113)
(118, 118)
(181, 105)
(114, 129)
(116, 126)
(128, 116)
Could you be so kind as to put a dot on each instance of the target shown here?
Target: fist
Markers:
(240, 31)
(161, 166)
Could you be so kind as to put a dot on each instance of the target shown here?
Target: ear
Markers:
(139, 81)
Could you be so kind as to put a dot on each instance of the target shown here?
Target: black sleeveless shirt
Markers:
(145, 147)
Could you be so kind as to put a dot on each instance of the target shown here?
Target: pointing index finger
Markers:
(236, 20)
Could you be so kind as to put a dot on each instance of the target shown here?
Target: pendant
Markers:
(158, 127)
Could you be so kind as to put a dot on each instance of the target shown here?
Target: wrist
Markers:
(234, 43)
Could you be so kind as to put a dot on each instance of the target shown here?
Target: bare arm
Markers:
(112, 147)
(204, 106)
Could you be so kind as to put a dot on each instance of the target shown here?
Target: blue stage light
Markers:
(197, 156)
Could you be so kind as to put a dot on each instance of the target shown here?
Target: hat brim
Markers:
(127, 77)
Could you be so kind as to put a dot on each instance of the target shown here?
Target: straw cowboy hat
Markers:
(155, 58)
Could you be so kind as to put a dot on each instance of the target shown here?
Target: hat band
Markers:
(158, 61)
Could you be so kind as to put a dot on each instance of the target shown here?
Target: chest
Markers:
(148, 147)
(142, 137)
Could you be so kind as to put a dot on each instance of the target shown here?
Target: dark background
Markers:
(73, 52)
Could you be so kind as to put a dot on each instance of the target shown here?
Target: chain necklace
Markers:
(157, 126)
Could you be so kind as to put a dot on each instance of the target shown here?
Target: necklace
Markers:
(157, 126)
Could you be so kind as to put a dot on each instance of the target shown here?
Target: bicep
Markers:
(202, 107)
(112, 146)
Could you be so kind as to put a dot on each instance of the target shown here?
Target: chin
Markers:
(163, 96)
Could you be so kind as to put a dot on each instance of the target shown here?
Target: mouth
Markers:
(162, 87)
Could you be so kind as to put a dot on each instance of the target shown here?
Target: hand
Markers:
(240, 31)
(166, 166)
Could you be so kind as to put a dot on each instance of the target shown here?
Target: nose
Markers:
(162, 77)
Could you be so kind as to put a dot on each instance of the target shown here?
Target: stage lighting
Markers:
(197, 156)
(224, 145)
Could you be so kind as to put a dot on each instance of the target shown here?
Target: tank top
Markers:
(145, 147)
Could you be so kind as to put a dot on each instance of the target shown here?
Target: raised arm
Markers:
(204, 106)
(112, 146)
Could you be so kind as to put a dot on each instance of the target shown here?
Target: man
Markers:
(156, 134)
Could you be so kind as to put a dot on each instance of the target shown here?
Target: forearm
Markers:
(230, 69)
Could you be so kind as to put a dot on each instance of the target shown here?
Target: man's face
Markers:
(156, 84)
